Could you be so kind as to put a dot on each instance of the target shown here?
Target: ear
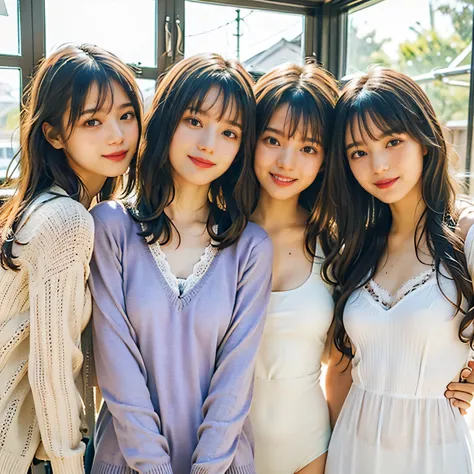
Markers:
(52, 136)
(425, 150)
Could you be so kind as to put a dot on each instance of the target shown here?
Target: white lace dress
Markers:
(181, 286)
(396, 419)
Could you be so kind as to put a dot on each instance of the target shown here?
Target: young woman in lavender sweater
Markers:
(175, 340)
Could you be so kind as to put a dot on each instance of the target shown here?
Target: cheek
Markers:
(264, 158)
(311, 166)
(360, 171)
(80, 142)
(133, 132)
(412, 166)
(229, 149)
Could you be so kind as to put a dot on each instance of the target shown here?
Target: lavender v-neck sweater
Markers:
(176, 373)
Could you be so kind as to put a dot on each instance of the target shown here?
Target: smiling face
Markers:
(386, 164)
(205, 144)
(286, 165)
(103, 142)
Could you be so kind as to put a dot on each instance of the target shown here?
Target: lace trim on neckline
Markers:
(182, 286)
(382, 296)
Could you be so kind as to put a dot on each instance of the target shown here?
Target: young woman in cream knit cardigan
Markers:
(80, 132)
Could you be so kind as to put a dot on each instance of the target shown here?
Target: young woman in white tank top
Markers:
(289, 413)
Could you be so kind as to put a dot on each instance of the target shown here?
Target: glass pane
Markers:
(129, 32)
(10, 87)
(266, 39)
(432, 44)
(433, 35)
(147, 88)
(9, 37)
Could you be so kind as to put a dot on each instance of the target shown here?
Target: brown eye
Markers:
(92, 123)
(393, 143)
(272, 141)
(194, 122)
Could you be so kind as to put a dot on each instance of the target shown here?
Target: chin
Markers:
(282, 195)
(389, 198)
(197, 180)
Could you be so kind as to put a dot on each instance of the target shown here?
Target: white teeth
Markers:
(283, 180)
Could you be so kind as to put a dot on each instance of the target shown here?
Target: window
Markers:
(9, 37)
(147, 88)
(10, 87)
(260, 39)
(127, 30)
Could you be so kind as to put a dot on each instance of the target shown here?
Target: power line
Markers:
(271, 36)
(218, 27)
(275, 34)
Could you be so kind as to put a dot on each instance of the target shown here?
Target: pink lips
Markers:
(386, 183)
(281, 180)
(117, 156)
(201, 162)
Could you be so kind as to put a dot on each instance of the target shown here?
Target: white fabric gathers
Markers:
(396, 418)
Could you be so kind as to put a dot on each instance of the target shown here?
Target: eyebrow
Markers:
(206, 114)
(388, 133)
(282, 134)
(94, 110)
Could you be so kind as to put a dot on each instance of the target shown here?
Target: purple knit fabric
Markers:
(176, 372)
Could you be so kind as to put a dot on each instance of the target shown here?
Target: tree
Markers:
(364, 50)
(430, 51)
(461, 16)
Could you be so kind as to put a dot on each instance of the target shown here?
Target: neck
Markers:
(190, 204)
(406, 214)
(275, 214)
(92, 189)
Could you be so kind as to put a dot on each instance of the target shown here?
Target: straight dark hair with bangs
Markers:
(60, 85)
(231, 196)
(394, 103)
(311, 93)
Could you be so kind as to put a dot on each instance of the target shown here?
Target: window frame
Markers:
(305, 8)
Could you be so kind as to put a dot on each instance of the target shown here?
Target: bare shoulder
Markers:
(465, 222)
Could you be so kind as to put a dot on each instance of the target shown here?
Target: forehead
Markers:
(216, 105)
(281, 116)
(105, 97)
(362, 129)
(294, 123)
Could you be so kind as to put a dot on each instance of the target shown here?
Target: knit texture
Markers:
(44, 307)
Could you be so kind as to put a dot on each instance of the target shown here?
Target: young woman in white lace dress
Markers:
(403, 263)
(289, 415)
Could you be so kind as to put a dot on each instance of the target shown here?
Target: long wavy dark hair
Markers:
(60, 85)
(391, 101)
(232, 195)
(311, 93)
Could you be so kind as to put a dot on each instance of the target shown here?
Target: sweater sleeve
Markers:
(120, 368)
(58, 266)
(222, 446)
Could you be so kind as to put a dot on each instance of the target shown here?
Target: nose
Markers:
(380, 162)
(286, 159)
(207, 140)
(116, 134)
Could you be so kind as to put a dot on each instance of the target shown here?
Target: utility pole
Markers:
(238, 20)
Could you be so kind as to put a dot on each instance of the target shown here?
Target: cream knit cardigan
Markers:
(44, 308)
